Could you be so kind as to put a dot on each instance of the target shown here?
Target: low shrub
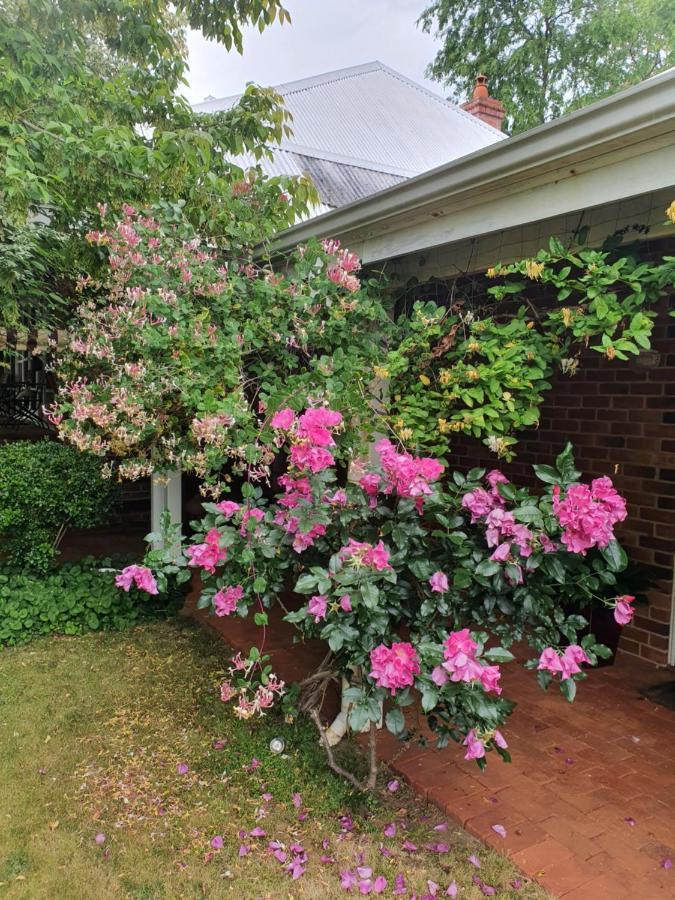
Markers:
(72, 599)
(46, 487)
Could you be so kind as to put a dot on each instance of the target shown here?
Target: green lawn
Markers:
(93, 729)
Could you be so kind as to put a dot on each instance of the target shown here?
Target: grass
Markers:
(93, 729)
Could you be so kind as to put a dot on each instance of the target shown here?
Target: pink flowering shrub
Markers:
(418, 584)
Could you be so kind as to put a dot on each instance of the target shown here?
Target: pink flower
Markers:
(549, 661)
(407, 476)
(588, 514)
(141, 576)
(394, 667)
(623, 611)
(363, 554)
(500, 740)
(227, 692)
(475, 747)
(547, 545)
(228, 508)
(479, 503)
(256, 514)
(317, 607)
(572, 656)
(209, 554)
(315, 459)
(371, 485)
(225, 601)
(489, 679)
(461, 664)
(283, 419)
(346, 603)
(502, 553)
(314, 426)
(439, 582)
(339, 498)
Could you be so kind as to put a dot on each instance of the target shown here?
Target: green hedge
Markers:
(46, 487)
(72, 599)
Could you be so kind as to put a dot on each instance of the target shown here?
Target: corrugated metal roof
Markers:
(371, 118)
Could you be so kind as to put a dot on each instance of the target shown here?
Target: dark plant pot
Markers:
(606, 629)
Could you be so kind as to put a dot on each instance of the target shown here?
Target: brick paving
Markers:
(579, 772)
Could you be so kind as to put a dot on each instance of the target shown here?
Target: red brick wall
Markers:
(620, 416)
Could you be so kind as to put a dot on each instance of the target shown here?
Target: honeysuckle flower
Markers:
(439, 582)
(623, 610)
(141, 576)
(225, 601)
(475, 747)
(394, 667)
(317, 607)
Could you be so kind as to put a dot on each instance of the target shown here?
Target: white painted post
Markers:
(166, 494)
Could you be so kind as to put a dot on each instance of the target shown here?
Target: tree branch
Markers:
(352, 779)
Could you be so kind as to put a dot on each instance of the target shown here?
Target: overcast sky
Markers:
(323, 35)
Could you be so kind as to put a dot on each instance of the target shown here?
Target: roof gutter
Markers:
(617, 119)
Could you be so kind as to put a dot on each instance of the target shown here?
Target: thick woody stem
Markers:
(352, 779)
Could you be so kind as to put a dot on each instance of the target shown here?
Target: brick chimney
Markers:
(483, 106)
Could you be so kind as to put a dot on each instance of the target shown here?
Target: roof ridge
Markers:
(437, 97)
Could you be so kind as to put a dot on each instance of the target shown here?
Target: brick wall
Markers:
(620, 416)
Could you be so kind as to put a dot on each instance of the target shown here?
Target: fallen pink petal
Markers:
(390, 830)
(393, 785)
(182, 768)
(452, 889)
(217, 842)
(100, 838)
(500, 830)
(667, 863)
(473, 859)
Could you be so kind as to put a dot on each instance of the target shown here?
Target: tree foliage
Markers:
(91, 111)
(546, 58)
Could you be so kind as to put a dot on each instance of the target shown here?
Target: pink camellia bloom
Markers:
(346, 603)
(489, 679)
(315, 459)
(549, 661)
(209, 554)
(475, 747)
(317, 607)
(314, 426)
(257, 514)
(228, 508)
(394, 667)
(500, 740)
(570, 660)
(141, 576)
(225, 601)
(283, 419)
(587, 514)
(502, 553)
(362, 553)
(479, 503)
(547, 545)
(623, 611)
(439, 582)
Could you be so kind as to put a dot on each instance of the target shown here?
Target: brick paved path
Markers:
(579, 772)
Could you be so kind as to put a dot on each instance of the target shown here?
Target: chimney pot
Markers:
(486, 108)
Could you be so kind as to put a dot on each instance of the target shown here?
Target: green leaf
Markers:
(615, 556)
(395, 721)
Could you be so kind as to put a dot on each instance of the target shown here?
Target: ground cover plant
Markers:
(73, 598)
(114, 790)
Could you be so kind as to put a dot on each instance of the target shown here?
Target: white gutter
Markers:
(648, 109)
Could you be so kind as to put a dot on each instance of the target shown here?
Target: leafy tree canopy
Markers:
(546, 57)
(91, 111)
